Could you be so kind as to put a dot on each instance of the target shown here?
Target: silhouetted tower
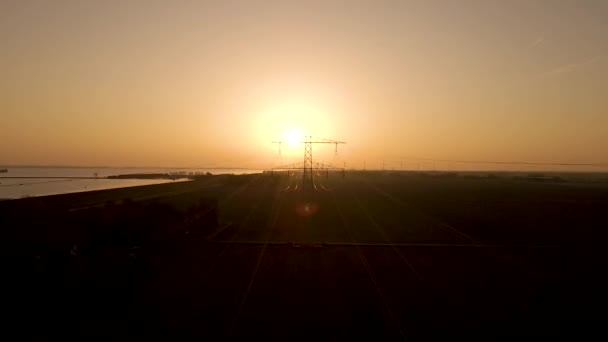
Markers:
(280, 143)
(307, 175)
(307, 180)
(308, 162)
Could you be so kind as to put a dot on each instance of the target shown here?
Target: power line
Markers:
(506, 162)
(399, 159)
(307, 174)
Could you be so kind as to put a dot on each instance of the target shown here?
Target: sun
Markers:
(289, 118)
(292, 137)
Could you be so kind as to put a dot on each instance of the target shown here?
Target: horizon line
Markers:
(131, 167)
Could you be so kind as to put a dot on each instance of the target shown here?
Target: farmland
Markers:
(369, 254)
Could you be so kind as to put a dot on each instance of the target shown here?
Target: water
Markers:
(38, 185)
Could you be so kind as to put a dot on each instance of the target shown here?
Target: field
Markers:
(375, 255)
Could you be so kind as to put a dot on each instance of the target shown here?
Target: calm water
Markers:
(11, 188)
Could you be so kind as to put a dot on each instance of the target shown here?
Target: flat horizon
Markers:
(214, 83)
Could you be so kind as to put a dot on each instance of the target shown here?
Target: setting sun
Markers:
(292, 138)
(287, 117)
(371, 169)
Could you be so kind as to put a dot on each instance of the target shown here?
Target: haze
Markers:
(206, 83)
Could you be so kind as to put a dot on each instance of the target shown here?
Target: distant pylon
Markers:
(307, 162)
(307, 175)
(280, 143)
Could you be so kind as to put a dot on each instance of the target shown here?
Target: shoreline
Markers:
(595, 179)
(107, 185)
(134, 192)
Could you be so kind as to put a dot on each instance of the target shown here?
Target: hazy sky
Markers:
(195, 83)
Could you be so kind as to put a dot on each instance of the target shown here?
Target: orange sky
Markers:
(212, 83)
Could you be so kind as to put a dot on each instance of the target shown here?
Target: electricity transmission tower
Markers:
(307, 166)
(280, 143)
(308, 162)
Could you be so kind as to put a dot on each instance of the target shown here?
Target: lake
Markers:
(38, 182)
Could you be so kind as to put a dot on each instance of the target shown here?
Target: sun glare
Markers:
(289, 118)
(292, 138)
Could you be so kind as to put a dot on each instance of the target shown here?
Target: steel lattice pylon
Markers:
(307, 177)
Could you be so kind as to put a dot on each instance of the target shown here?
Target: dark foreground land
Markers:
(372, 255)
